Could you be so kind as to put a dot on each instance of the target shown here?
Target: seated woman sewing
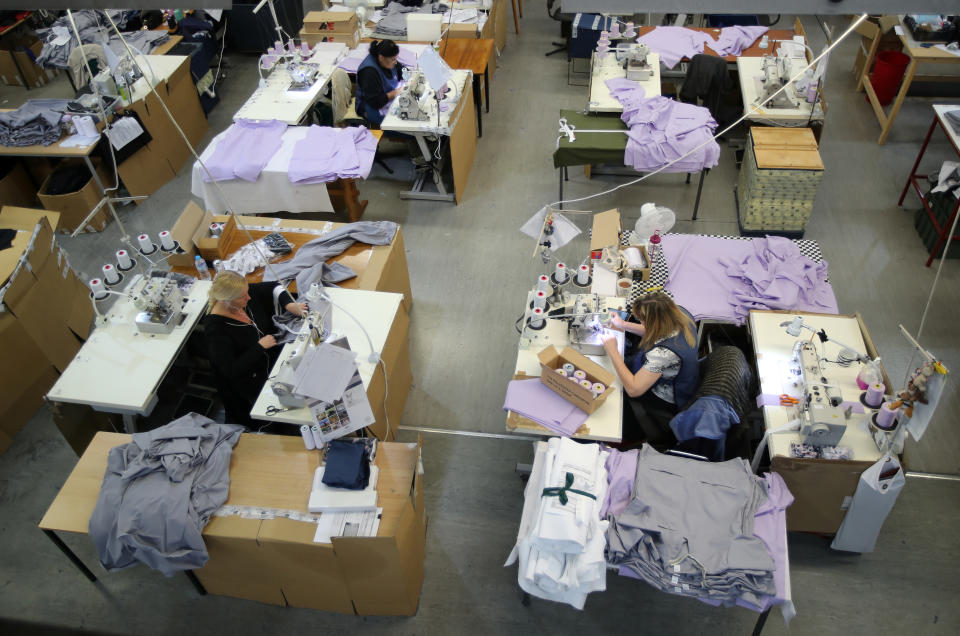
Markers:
(378, 81)
(665, 372)
(240, 346)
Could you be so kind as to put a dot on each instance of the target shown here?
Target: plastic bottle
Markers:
(654, 244)
(203, 272)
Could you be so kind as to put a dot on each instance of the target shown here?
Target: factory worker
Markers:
(240, 346)
(665, 373)
(378, 81)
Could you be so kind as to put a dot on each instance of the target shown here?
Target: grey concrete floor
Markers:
(468, 266)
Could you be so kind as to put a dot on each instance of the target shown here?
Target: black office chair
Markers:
(708, 83)
(566, 26)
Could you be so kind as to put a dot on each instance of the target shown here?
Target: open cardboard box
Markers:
(192, 231)
(605, 233)
(551, 360)
(644, 271)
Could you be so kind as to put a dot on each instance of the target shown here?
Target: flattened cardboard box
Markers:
(606, 230)
(16, 187)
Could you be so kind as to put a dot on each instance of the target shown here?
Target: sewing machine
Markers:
(633, 56)
(414, 99)
(579, 320)
(775, 75)
(315, 329)
(302, 76)
(160, 303)
(822, 420)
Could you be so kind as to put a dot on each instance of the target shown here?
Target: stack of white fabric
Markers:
(562, 539)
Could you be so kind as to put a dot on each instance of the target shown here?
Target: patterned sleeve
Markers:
(659, 359)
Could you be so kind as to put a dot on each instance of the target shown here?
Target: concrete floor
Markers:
(462, 259)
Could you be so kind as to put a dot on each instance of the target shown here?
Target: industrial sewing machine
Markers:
(160, 303)
(414, 99)
(822, 420)
(302, 76)
(633, 56)
(578, 319)
(776, 75)
(316, 328)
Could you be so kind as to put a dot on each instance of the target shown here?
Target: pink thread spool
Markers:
(874, 396)
(886, 418)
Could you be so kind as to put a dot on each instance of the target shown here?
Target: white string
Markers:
(746, 116)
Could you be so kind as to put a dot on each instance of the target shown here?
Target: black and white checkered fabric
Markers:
(660, 274)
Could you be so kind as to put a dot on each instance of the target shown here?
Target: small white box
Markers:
(424, 27)
(323, 498)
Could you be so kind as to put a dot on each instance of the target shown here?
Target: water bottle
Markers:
(203, 272)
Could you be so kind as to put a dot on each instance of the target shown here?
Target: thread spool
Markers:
(580, 374)
(166, 241)
(540, 300)
(886, 418)
(146, 245)
(307, 436)
(124, 262)
(573, 379)
(874, 396)
(110, 274)
(560, 273)
(97, 289)
(587, 384)
(597, 389)
(543, 283)
(569, 368)
(630, 31)
(216, 229)
(561, 372)
(317, 436)
(583, 275)
(536, 318)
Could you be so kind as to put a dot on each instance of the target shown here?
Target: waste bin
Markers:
(887, 73)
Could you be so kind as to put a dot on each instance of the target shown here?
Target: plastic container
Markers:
(203, 272)
(887, 74)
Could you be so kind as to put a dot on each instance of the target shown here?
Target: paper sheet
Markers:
(324, 372)
(917, 425)
(347, 524)
(123, 131)
(75, 141)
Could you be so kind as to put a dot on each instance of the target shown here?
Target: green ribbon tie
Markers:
(561, 493)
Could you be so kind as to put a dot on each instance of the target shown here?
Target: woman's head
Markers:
(229, 288)
(386, 52)
(661, 317)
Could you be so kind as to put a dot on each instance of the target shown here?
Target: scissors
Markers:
(788, 400)
(273, 410)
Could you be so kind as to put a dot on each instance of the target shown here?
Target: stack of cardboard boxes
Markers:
(45, 314)
(24, 49)
(340, 27)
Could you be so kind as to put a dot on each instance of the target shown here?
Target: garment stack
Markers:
(393, 18)
(244, 149)
(561, 540)
(37, 122)
(92, 25)
(663, 130)
(690, 530)
(325, 154)
(539, 403)
(675, 43)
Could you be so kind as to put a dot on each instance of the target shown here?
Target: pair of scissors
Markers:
(273, 410)
(788, 400)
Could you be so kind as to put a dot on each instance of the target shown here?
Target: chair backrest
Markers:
(726, 373)
(341, 93)
(77, 67)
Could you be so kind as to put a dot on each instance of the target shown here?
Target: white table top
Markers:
(606, 423)
(376, 310)
(599, 99)
(940, 110)
(774, 350)
(750, 68)
(118, 369)
(274, 101)
(461, 80)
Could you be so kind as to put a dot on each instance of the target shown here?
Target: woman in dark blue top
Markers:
(378, 80)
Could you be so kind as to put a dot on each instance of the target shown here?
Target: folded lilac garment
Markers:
(535, 400)
(325, 154)
(734, 39)
(713, 277)
(245, 149)
(663, 130)
(621, 473)
(350, 63)
(675, 43)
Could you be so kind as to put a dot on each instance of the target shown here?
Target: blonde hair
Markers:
(661, 317)
(227, 286)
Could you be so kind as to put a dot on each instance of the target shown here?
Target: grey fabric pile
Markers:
(37, 122)
(309, 264)
(689, 530)
(159, 492)
(94, 28)
(393, 22)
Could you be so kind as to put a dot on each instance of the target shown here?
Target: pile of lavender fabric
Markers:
(723, 279)
(663, 130)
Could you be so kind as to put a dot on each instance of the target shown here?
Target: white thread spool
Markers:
(99, 291)
(543, 283)
(166, 240)
(307, 436)
(598, 388)
(146, 245)
(110, 274)
(560, 273)
(540, 300)
(536, 318)
(123, 260)
(317, 436)
(583, 275)
(569, 368)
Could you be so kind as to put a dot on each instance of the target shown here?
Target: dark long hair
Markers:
(386, 48)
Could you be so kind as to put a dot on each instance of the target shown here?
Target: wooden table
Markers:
(473, 55)
(918, 55)
(164, 48)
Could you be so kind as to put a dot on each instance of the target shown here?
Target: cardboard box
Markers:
(75, 206)
(551, 360)
(424, 27)
(820, 488)
(214, 247)
(463, 30)
(29, 400)
(14, 47)
(644, 271)
(606, 232)
(330, 21)
(16, 188)
(145, 171)
(351, 40)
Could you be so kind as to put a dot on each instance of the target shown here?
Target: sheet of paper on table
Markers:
(347, 524)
